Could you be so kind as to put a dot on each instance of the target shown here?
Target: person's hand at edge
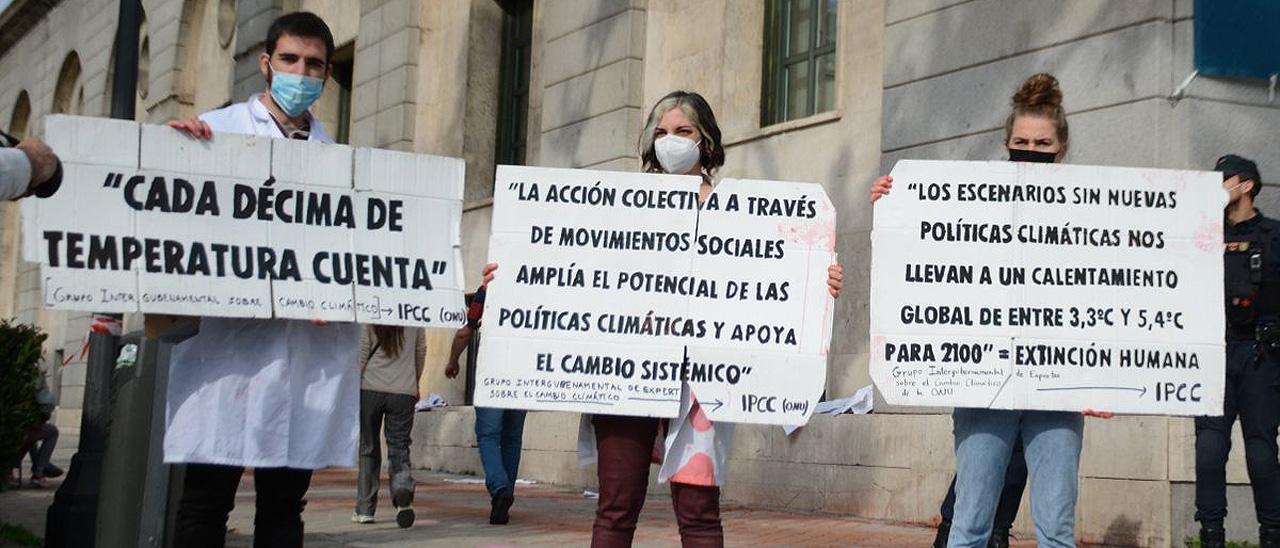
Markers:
(1098, 414)
(486, 275)
(881, 187)
(835, 279)
(43, 161)
(193, 127)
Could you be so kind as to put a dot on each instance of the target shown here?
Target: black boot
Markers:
(944, 531)
(1268, 537)
(999, 538)
(1213, 538)
(500, 507)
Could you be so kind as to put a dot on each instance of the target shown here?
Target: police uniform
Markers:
(1252, 288)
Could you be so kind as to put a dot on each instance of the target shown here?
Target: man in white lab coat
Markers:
(280, 396)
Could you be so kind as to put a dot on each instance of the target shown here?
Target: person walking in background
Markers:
(391, 361)
(499, 432)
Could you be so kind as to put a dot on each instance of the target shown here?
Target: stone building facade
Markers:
(567, 83)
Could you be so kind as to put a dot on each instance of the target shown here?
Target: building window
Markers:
(1239, 39)
(20, 117)
(68, 95)
(513, 90)
(333, 109)
(799, 59)
(343, 71)
(226, 22)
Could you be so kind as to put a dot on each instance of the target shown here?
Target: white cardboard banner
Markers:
(1046, 286)
(614, 288)
(149, 220)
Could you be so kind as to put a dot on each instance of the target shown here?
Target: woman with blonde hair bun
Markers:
(1035, 131)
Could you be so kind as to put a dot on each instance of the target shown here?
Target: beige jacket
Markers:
(395, 376)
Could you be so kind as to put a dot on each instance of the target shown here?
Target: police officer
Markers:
(1252, 277)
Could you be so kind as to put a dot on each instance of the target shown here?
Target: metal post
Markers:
(124, 88)
(71, 520)
(133, 451)
(72, 517)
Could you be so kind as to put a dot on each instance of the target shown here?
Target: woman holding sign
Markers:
(680, 137)
(1035, 131)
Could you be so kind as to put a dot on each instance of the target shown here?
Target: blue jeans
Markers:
(984, 442)
(499, 433)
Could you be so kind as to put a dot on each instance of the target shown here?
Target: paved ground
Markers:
(453, 511)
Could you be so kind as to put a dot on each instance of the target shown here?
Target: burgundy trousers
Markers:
(624, 445)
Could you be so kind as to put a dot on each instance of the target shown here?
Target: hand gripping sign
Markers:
(149, 220)
(614, 289)
(1044, 286)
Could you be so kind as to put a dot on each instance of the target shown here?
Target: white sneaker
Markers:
(361, 518)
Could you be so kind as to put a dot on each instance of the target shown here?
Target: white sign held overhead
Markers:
(1046, 286)
(150, 220)
(614, 289)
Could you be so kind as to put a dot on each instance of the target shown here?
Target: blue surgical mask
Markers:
(294, 93)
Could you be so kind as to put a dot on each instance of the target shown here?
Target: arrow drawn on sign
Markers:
(718, 403)
(1142, 391)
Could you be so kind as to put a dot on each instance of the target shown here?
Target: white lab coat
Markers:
(264, 393)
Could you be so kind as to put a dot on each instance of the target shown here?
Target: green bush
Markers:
(20, 351)
(17, 535)
(1193, 542)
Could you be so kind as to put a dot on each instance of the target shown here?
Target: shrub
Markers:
(20, 352)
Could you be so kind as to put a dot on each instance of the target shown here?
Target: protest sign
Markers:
(614, 289)
(150, 220)
(1045, 286)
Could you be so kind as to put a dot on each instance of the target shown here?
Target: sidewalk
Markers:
(456, 514)
(453, 511)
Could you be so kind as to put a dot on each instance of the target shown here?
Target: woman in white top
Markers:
(391, 359)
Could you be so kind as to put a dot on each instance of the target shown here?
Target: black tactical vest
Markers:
(1252, 288)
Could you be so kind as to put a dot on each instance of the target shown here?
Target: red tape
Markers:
(106, 325)
(101, 323)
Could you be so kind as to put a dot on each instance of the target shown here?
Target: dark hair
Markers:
(699, 112)
(390, 339)
(302, 24)
(1232, 165)
(1040, 96)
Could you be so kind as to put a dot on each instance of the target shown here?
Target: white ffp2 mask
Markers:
(676, 154)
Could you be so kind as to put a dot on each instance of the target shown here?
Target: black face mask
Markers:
(1016, 155)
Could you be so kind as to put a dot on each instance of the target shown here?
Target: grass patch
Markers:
(1193, 542)
(18, 535)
